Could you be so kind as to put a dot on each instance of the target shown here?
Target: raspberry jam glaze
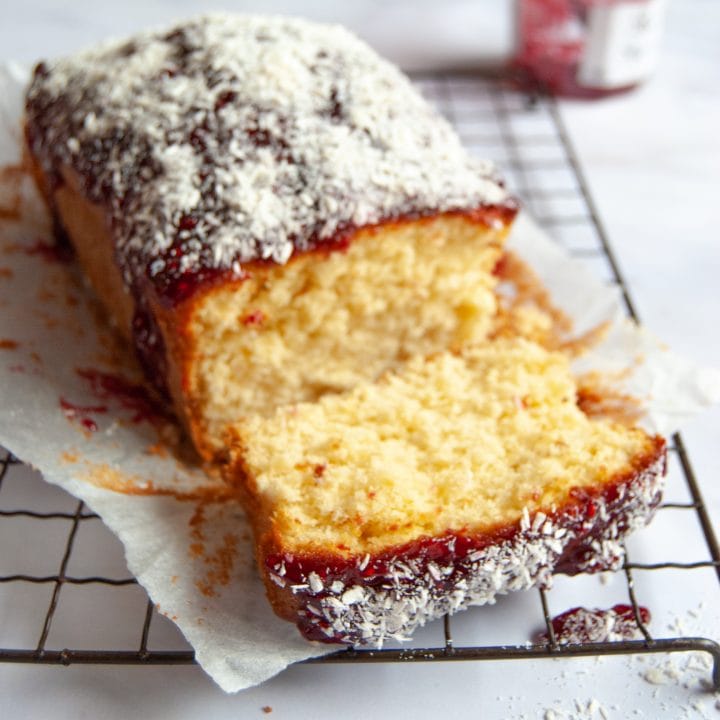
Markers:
(580, 625)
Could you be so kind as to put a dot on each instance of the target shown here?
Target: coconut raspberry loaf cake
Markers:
(444, 484)
(267, 209)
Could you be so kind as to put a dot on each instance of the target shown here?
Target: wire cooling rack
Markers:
(59, 564)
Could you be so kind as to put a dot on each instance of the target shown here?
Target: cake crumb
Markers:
(655, 676)
(267, 709)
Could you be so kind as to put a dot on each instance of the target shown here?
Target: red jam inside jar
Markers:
(587, 48)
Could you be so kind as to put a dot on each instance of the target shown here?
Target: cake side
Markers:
(443, 485)
(320, 323)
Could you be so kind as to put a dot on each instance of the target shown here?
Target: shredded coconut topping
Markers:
(413, 589)
(230, 139)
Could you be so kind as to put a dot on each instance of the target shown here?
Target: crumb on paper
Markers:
(69, 457)
(158, 449)
(219, 566)
(526, 309)
(267, 709)
(655, 676)
(110, 478)
(11, 177)
(600, 396)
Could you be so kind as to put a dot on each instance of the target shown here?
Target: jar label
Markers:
(623, 43)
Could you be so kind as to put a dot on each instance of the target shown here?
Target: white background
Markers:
(653, 162)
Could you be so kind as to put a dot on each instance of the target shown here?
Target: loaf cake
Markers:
(457, 478)
(268, 210)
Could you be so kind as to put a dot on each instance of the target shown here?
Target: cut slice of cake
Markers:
(457, 478)
(267, 209)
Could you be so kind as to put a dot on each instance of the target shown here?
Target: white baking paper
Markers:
(194, 557)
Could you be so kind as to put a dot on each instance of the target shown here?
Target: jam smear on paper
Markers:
(51, 252)
(82, 414)
(130, 395)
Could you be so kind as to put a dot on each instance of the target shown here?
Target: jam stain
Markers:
(580, 625)
(51, 252)
(150, 347)
(131, 396)
(526, 308)
(82, 414)
(255, 318)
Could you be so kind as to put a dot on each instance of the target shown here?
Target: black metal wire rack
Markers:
(527, 138)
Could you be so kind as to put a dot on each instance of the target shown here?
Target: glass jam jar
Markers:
(587, 48)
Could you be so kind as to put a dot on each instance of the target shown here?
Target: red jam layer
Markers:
(580, 625)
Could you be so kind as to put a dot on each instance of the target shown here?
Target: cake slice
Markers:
(267, 209)
(458, 478)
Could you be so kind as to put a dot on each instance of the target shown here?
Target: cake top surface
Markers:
(230, 139)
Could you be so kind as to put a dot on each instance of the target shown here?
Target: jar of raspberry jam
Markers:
(587, 48)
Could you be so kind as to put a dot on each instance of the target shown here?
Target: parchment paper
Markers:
(194, 555)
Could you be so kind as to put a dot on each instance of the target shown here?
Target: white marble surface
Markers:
(653, 163)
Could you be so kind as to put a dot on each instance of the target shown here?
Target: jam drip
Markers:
(580, 625)
(131, 396)
(150, 347)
